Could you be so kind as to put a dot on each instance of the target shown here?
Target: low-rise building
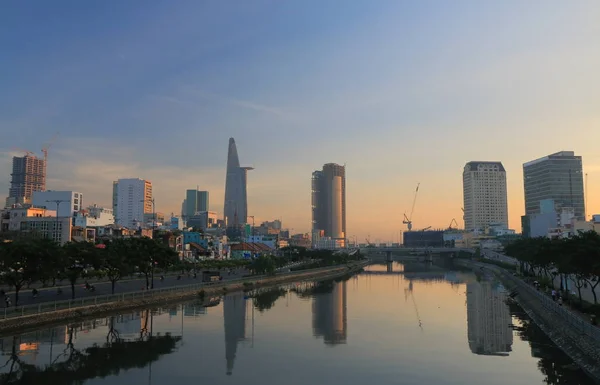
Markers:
(38, 222)
(94, 216)
(269, 240)
(67, 202)
(246, 250)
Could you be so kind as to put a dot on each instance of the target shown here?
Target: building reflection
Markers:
(234, 315)
(329, 314)
(488, 320)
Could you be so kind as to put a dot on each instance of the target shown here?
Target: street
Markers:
(50, 294)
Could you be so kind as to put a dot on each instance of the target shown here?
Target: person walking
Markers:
(553, 295)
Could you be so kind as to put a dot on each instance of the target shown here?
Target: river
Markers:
(392, 324)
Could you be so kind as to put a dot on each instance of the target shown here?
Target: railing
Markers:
(575, 321)
(46, 307)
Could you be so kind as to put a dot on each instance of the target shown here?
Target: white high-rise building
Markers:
(485, 197)
(132, 198)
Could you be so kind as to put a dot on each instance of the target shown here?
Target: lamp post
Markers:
(153, 229)
(57, 202)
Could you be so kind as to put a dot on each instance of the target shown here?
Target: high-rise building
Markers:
(558, 177)
(28, 175)
(485, 197)
(235, 209)
(195, 201)
(132, 198)
(329, 201)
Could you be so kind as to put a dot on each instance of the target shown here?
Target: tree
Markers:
(77, 257)
(114, 262)
(50, 257)
(19, 262)
(147, 254)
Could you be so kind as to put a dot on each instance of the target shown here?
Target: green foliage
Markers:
(578, 256)
(24, 261)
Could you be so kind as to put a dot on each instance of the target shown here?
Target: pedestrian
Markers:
(553, 295)
(560, 301)
(7, 300)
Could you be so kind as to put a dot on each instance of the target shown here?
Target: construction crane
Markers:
(426, 228)
(48, 145)
(408, 220)
(451, 222)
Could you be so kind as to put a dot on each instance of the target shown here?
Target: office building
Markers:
(485, 196)
(236, 198)
(557, 177)
(68, 202)
(195, 202)
(132, 198)
(28, 175)
(329, 201)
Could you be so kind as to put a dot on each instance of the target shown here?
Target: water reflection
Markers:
(329, 313)
(234, 316)
(146, 347)
(488, 319)
(555, 365)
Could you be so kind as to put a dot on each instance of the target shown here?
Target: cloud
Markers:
(279, 112)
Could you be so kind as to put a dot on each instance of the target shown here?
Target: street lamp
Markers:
(153, 228)
(57, 202)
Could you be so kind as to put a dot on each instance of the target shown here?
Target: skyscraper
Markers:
(195, 202)
(485, 197)
(235, 209)
(329, 201)
(132, 198)
(28, 175)
(558, 177)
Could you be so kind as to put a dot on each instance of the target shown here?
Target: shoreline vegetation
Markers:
(35, 321)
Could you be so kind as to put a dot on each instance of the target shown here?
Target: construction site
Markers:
(28, 174)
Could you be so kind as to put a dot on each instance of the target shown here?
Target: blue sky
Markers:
(402, 92)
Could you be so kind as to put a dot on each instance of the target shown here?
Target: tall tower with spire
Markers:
(235, 209)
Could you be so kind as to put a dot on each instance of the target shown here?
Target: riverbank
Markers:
(571, 333)
(144, 299)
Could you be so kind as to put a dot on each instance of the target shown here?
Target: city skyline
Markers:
(396, 110)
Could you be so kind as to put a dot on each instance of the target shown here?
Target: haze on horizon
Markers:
(401, 92)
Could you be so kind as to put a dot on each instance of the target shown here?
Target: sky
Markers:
(402, 92)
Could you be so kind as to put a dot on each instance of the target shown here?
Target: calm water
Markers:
(392, 324)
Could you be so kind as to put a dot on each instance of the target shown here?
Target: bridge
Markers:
(428, 252)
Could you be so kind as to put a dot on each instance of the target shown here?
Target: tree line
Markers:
(577, 257)
(25, 261)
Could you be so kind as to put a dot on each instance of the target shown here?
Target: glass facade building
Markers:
(558, 177)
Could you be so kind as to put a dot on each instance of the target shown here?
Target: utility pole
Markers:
(153, 229)
(57, 202)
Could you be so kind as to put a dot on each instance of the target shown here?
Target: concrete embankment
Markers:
(573, 334)
(155, 299)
